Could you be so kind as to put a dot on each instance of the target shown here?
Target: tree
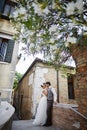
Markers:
(51, 26)
(16, 80)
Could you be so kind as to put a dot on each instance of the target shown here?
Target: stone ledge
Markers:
(5, 63)
(62, 105)
(6, 113)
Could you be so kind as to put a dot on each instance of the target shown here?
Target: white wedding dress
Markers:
(41, 114)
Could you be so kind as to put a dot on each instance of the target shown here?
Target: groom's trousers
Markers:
(49, 112)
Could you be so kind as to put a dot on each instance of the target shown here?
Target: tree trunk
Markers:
(79, 54)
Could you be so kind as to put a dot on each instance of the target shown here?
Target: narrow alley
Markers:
(27, 125)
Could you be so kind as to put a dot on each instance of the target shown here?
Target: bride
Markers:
(41, 114)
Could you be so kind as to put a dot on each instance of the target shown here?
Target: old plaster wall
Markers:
(7, 70)
(63, 86)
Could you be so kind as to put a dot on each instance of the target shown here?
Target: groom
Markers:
(51, 97)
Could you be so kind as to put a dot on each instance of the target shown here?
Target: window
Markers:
(8, 8)
(71, 86)
(3, 48)
(6, 49)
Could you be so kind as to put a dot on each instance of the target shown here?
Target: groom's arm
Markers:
(55, 95)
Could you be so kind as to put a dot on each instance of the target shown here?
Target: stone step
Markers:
(27, 125)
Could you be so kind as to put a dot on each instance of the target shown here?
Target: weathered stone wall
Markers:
(7, 73)
(80, 56)
(66, 119)
(63, 86)
(6, 27)
(7, 70)
(24, 101)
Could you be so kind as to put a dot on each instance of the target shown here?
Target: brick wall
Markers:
(66, 119)
(80, 56)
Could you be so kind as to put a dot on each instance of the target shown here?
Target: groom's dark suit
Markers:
(50, 97)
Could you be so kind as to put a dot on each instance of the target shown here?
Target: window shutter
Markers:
(2, 3)
(9, 51)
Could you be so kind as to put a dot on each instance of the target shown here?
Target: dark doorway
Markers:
(71, 86)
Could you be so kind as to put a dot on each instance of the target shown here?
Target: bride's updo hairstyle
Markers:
(43, 85)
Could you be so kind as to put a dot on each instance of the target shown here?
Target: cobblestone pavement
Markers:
(27, 125)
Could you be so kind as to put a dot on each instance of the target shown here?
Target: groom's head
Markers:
(48, 84)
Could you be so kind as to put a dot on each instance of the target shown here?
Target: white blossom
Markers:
(15, 14)
(79, 6)
(53, 28)
(31, 46)
(53, 4)
(72, 6)
(71, 24)
(46, 10)
(71, 40)
(28, 40)
(22, 10)
(30, 33)
(37, 9)
(38, 48)
(53, 47)
(66, 44)
(52, 40)
(38, 34)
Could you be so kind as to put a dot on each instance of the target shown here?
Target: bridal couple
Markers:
(44, 111)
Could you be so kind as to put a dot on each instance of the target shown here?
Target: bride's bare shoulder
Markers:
(45, 92)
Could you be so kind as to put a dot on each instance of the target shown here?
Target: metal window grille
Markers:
(3, 49)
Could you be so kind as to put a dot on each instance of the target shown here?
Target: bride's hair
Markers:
(43, 85)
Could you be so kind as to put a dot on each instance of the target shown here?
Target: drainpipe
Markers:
(18, 105)
(57, 86)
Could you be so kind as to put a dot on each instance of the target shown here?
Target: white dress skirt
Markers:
(41, 114)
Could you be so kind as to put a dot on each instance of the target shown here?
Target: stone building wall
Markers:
(23, 96)
(7, 70)
(6, 27)
(63, 86)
